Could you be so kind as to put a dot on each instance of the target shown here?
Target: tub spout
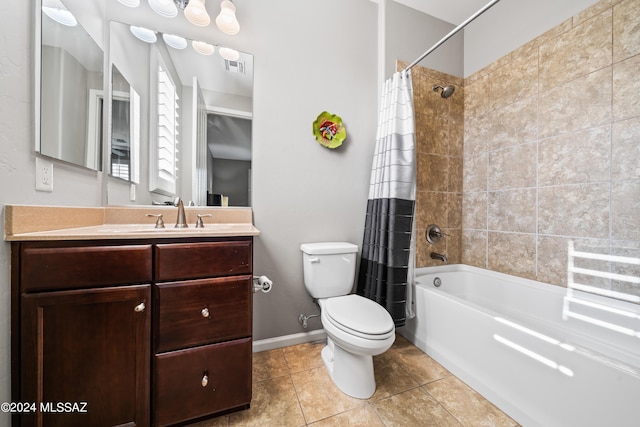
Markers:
(435, 255)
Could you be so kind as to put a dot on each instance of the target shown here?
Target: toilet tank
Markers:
(329, 268)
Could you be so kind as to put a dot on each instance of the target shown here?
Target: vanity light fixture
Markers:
(226, 20)
(144, 34)
(174, 41)
(229, 54)
(202, 47)
(166, 8)
(130, 3)
(196, 13)
(60, 14)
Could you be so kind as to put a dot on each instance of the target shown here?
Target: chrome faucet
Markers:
(181, 221)
(435, 255)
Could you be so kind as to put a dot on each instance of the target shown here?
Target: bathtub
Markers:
(542, 358)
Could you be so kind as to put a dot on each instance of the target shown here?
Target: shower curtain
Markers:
(388, 248)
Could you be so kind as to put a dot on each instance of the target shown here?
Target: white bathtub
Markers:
(507, 338)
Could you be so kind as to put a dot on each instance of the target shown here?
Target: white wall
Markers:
(410, 33)
(510, 24)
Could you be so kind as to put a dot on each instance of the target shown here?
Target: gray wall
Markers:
(303, 192)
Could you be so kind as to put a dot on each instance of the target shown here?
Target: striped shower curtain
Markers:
(388, 248)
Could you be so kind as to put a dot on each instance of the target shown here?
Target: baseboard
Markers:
(287, 340)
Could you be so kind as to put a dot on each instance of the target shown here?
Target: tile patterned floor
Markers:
(291, 387)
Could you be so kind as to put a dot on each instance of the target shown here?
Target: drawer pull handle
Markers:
(139, 308)
(205, 313)
(205, 380)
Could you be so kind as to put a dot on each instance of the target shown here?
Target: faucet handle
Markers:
(159, 221)
(434, 234)
(199, 223)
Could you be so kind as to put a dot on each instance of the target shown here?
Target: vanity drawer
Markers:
(203, 311)
(66, 267)
(200, 381)
(177, 261)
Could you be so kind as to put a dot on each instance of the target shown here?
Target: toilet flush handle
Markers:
(314, 260)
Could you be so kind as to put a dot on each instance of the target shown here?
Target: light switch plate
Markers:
(44, 175)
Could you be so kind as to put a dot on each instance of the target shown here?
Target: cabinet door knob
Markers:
(205, 312)
(139, 308)
(205, 380)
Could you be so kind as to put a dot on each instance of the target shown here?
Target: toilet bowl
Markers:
(349, 353)
(357, 328)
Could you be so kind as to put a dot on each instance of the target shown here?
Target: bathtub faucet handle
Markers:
(434, 234)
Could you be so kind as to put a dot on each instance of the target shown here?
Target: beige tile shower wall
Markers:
(439, 141)
(552, 149)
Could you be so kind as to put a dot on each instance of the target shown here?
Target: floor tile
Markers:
(399, 345)
(422, 368)
(269, 364)
(291, 387)
(303, 356)
(468, 406)
(274, 403)
(363, 416)
(391, 378)
(319, 396)
(222, 421)
(414, 407)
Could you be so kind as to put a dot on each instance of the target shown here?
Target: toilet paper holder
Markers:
(262, 283)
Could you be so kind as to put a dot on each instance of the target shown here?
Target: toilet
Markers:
(357, 328)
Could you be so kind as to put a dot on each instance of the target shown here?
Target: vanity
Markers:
(121, 324)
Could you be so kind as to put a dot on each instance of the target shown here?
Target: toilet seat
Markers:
(359, 316)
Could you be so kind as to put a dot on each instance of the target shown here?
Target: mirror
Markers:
(69, 85)
(124, 159)
(228, 160)
(204, 85)
(195, 115)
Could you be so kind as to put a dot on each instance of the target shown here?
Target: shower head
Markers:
(447, 91)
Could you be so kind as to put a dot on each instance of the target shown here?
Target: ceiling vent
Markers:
(234, 66)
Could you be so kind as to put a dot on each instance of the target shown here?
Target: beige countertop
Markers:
(24, 222)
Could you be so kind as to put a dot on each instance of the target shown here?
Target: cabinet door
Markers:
(87, 346)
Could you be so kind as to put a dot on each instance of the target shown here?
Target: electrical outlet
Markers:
(132, 193)
(44, 175)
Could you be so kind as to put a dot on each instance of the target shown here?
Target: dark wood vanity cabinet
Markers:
(127, 334)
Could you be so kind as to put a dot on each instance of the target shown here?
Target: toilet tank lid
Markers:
(324, 248)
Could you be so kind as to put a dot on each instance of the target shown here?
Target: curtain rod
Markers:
(452, 33)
